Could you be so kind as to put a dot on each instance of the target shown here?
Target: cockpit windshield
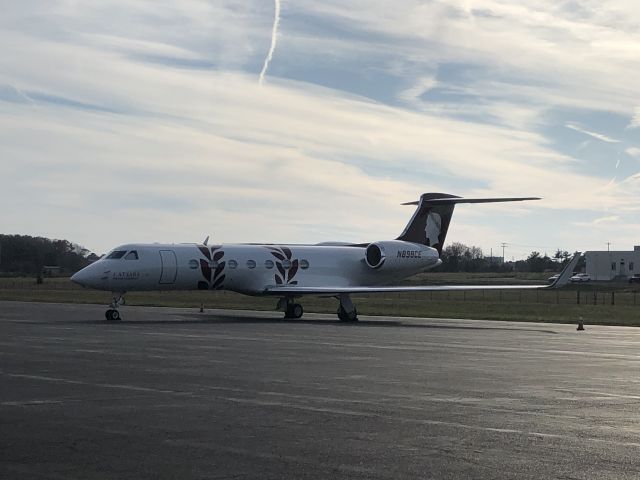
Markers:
(116, 254)
(132, 255)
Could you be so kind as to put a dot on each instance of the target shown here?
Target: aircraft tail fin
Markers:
(430, 222)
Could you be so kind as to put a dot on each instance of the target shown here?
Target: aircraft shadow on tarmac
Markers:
(195, 318)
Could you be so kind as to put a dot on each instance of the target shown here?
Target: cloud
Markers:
(274, 37)
(9, 93)
(544, 53)
(635, 119)
(611, 219)
(633, 152)
(162, 104)
(419, 88)
(595, 135)
(621, 230)
(231, 148)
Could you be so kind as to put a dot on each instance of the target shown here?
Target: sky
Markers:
(298, 121)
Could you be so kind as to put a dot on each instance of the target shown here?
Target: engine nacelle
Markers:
(375, 255)
(398, 255)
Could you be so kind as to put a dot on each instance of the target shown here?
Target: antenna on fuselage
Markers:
(206, 240)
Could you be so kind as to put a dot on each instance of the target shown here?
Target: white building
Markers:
(603, 265)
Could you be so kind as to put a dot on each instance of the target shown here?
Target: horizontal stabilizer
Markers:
(455, 200)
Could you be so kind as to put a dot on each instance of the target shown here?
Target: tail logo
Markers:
(433, 228)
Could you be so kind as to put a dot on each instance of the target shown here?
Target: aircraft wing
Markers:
(329, 290)
(295, 290)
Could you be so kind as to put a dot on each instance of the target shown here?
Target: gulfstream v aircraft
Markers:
(288, 272)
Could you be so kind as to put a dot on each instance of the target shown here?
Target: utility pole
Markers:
(503, 245)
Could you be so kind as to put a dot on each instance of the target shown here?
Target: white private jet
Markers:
(291, 271)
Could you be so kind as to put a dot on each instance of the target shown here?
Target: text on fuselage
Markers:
(125, 275)
(409, 254)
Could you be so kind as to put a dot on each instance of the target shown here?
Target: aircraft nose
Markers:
(81, 277)
(91, 276)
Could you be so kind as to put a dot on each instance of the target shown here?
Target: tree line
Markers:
(458, 257)
(26, 255)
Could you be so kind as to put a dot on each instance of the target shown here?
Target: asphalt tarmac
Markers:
(177, 394)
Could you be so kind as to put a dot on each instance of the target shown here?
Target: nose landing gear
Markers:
(112, 314)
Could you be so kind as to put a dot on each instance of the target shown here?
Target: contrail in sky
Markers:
(274, 34)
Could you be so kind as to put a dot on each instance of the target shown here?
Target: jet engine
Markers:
(375, 255)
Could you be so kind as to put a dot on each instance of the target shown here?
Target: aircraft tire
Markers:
(112, 315)
(293, 310)
(344, 316)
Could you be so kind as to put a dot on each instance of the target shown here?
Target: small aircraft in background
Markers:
(288, 272)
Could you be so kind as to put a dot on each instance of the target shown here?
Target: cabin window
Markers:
(132, 255)
(233, 264)
(193, 264)
(214, 264)
(268, 264)
(286, 264)
(116, 254)
(304, 264)
(251, 263)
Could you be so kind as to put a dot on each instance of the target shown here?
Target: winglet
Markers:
(566, 274)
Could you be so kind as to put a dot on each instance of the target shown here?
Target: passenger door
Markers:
(169, 267)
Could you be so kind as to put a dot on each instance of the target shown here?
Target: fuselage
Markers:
(251, 268)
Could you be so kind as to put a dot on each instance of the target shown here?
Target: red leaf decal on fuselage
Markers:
(218, 283)
(205, 251)
(278, 255)
(206, 269)
(217, 256)
(219, 269)
(293, 270)
(287, 252)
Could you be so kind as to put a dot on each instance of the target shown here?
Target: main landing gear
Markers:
(347, 311)
(112, 314)
(291, 309)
